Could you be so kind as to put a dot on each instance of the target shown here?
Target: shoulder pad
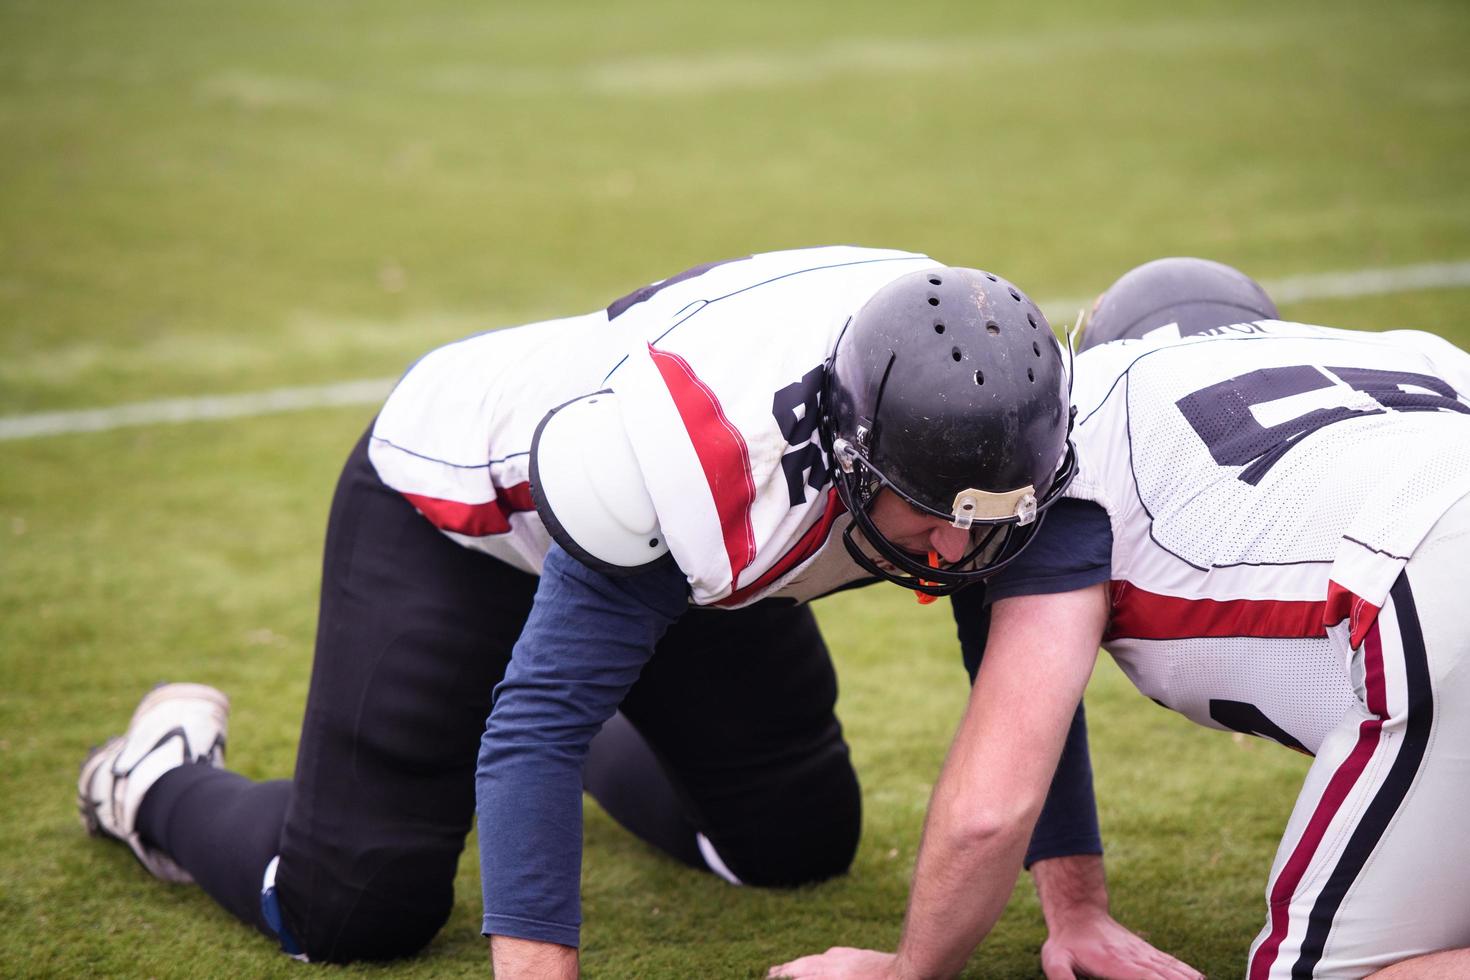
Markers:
(589, 489)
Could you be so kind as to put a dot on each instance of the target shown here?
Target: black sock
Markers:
(220, 827)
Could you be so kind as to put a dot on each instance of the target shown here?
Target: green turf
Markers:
(199, 198)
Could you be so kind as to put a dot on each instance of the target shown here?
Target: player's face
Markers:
(916, 532)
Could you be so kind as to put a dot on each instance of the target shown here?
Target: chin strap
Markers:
(924, 597)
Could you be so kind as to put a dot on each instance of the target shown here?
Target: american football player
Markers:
(1267, 533)
(610, 523)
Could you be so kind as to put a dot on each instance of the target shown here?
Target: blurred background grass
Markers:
(199, 198)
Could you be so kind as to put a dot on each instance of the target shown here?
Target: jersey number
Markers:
(1222, 414)
(796, 407)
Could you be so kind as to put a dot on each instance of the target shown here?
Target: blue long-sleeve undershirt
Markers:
(583, 646)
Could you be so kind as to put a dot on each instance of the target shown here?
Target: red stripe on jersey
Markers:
(1338, 787)
(475, 520)
(722, 454)
(1143, 615)
(807, 545)
(1342, 604)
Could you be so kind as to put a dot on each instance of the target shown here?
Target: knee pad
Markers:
(395, 913)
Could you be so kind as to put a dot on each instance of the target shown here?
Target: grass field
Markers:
(204, 198)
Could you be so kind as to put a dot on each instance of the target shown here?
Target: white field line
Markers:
(694, 75)
(369, 392)
(372, 391)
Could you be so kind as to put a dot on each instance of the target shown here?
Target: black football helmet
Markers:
(948, 389)
(1196, 294)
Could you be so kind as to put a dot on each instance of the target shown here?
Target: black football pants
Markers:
(739, 742)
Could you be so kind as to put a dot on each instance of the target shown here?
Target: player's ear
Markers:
(589, 489)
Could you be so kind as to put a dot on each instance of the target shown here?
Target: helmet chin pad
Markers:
(902, 568)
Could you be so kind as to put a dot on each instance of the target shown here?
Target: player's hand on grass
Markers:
(840, 961)
(1083, 938)
(1100, 946)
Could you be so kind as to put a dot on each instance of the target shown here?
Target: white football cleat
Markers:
(175, 725)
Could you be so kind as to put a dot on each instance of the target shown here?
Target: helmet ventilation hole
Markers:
(956, 354)
(653, 543)
(991, 278)
(992, 328)
(939, 328)
(935, 281)
(979, 377)
(1015, 295)
(1036, 348)
(1031, 320)
(1030, 375)
(933, 300)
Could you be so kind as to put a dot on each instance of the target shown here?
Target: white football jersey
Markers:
(717, 372)
(1264, 481)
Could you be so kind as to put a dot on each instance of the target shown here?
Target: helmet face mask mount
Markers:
(970, 505)
(947, 389)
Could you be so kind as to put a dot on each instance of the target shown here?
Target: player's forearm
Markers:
(1070, 887)
(996, 776)
(526, 959)
(968, 864)
(975, 835)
